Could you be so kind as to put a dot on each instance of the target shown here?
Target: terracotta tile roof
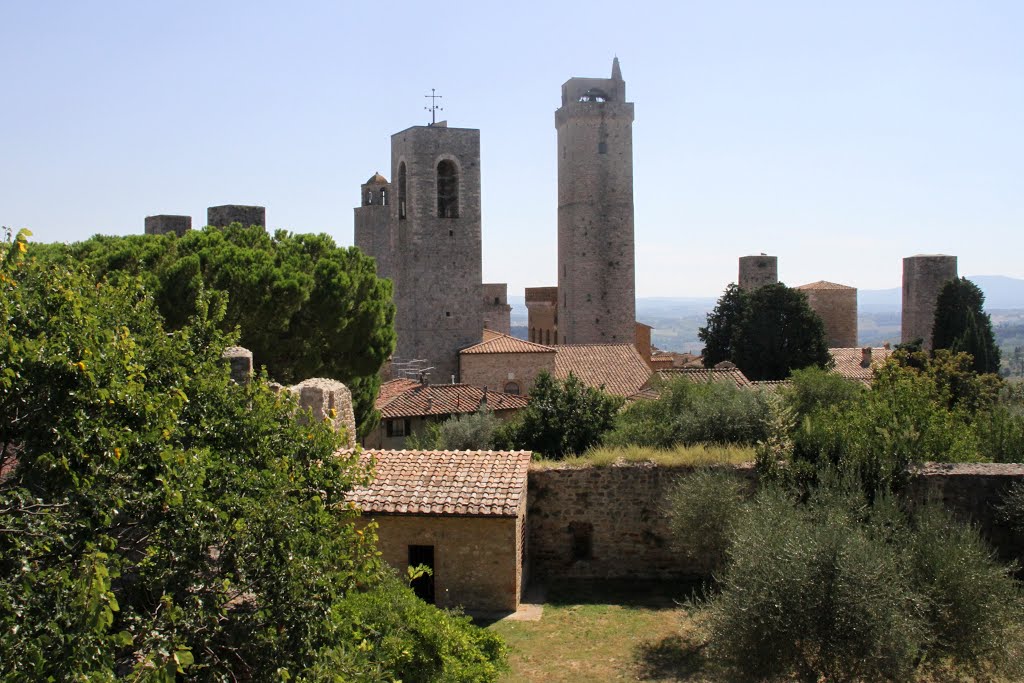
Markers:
(618, 368)
(472, 483)
(822, 284)
(390, 389)
(489, 334)
(417, 400)
(676, 359)
(849, 362)
(503, 343)
(704, 375)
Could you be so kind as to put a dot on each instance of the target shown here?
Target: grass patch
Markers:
(696, 456)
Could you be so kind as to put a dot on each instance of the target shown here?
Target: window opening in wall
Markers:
(451, 233)
(383, 196)
(582, 540)
(594, 95)
(602, 148)
(368, 199)
(401, 190)
(447, 314)
(497, 301)
(399, 427)
(447, 190)
(511, 388)
(423, 586)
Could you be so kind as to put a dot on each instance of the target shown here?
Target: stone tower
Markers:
(542, 314)
(758, 271)
(222, 216)
(165, 223)
(923, 279)
(497, 313)
(836, 305)
(429, 242)
(596, 281)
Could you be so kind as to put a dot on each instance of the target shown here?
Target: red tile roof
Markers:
(417, 400)
(391, 389)
(470, 483)
(503, 343)
(849, 362)
(704, 375)
(618, 368)
(822, 284)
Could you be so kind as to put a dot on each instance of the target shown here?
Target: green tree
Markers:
(161, 523)
(961, 324)
(778, 333)
(722, 327)
(563, 417)
(304, 306)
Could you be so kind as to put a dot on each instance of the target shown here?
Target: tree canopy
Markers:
(961, 324)
(767, 332)
(159, 522)
(304, 306)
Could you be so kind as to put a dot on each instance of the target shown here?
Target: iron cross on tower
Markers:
(433, 108)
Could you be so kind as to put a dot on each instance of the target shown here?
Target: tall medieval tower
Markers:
(596, 281)
(424, 230)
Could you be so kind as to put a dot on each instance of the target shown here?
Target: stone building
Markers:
(836, 305)
(542, 314)
(923, 279)
(506, 364)
(222, 216)
(596, 279)
(758, 271)
(165, 223)
(497, 312)
(424, 230)
(462, 513)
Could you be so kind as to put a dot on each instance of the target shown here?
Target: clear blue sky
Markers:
(837, 136)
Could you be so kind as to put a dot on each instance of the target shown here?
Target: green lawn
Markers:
(607, 631)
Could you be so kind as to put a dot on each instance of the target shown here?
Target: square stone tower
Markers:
(596, 279)
(429, 244)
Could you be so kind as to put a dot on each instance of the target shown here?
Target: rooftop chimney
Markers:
(865, 357)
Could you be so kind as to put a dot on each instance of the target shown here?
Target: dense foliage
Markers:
(159, 522)
(961, 324)
(472, 431)
(767, 332)
(304, 306)
(687, 413)
(563, 417)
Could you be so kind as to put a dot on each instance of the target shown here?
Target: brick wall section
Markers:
(497, 313)
(621, 507)
(495, 370)
(476, 559)
(923, 278)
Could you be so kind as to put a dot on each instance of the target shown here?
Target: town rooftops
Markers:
(469, 483)
(618, 368)
(705, 375)
(859, 363)
(407, 398)
(503, 343)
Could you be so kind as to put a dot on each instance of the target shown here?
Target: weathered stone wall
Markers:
(837, 308)
(542, 314)
(758, 271)
(496, 310)
(374, 233)
(476, 559)
(164, 223)
(496, 370)
(328, 399)
(596, 268)
(619, 512)
(923, 279)
(221, 216)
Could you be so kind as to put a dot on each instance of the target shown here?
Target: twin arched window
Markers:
(447, 189)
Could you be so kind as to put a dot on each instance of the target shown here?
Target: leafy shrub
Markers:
(1011, 507)
(688, 413)
(701, 508)
(472, 431)
(563, 417)
(1000, 434)
(811, 389)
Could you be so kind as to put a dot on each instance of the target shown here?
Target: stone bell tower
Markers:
(596, 279)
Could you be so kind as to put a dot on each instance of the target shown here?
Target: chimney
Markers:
(865, 357)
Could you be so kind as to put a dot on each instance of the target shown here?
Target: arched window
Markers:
(368, 199)
(594, 95)
(401, 190)
(511, 388)
(447, 190)
(384, 196)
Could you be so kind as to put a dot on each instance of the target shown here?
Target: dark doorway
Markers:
(424, 585)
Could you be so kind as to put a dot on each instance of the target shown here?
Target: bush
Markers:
(811, 389)
(843, 589)
(701, 508)
(688, 413)
(473, 431)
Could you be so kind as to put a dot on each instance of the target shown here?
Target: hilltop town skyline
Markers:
(839, 141)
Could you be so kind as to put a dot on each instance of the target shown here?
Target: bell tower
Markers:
(596, 272)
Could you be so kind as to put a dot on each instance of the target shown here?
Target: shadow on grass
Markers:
(673, 658)
(647, 594)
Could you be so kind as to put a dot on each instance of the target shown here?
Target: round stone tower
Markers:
(596, 279)
(758, 271)
(836, 305)
(923, 278)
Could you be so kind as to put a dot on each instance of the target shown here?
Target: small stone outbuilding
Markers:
(462, 513)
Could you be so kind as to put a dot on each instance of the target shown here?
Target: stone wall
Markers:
(330, 399)
(496, 370)
(609, 522)
(497, 313)
(476, 559)
(836, 305)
